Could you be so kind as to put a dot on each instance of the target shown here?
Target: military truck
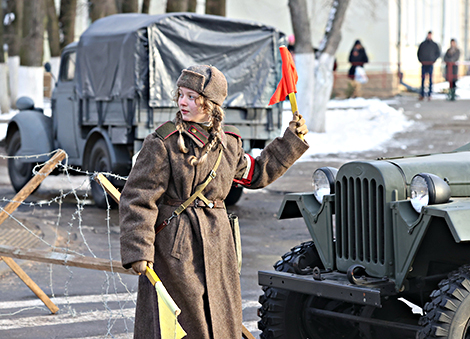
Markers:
(117, 83)
(389, 255)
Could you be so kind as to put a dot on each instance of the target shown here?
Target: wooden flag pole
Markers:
(294, 108)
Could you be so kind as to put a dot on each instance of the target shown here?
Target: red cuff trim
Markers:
(248, 175)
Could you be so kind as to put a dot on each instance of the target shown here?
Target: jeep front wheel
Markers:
(286, 314)
(448, 313)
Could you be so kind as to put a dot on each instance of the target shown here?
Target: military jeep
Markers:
(389, 255)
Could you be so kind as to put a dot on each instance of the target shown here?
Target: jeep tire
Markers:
(448, 313)
(284, 314)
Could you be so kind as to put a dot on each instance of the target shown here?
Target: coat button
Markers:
(193, 130)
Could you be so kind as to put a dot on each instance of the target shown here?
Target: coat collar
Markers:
(199, 134)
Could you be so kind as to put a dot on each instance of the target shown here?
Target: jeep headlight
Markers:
(323, 182)
(428, 189)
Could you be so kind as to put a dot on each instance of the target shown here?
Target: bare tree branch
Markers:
(332, 37)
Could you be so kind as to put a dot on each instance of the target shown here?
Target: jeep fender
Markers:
(36, 134)
(410, 229)
(305, 205)
(119, 154)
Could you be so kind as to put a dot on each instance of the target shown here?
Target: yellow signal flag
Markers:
(167, 308)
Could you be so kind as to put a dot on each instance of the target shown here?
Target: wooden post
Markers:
(31, 284)
(13, 205)
(116, 195)
(32, 185)
(108, 187)
(63, 258)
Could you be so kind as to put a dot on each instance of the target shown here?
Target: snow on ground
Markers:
(352, 125)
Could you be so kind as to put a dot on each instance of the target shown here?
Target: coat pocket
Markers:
(177, 249)
(236, 238)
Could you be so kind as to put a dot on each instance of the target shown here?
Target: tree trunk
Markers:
(14, 31)
(145, 6)
(315, 76)
(192, 4)
(53, 28)
(130, 6)
(4, 98)
(68, 12)
(304, 60)
(176, 6)
(301, 26)
(33, 33)
(324, 77)
(216, 7)
(101, 8)
(2, 54)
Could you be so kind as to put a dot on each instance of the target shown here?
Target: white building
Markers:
(390, 31)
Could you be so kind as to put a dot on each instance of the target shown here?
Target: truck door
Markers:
(65, 108)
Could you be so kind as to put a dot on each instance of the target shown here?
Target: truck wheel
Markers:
(100, 161)
(285, 314)
(448, 313)
(20, 172)
(234, 195)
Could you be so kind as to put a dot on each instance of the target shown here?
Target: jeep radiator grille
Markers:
(360, 220)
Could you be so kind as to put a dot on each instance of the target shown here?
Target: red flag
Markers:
(289, 77)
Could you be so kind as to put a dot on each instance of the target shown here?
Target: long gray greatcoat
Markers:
(195, 254)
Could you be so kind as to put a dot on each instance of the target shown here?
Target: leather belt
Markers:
(196, 203)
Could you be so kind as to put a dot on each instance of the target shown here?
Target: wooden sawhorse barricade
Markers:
(59, 258)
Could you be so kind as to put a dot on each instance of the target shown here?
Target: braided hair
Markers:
(216, 117)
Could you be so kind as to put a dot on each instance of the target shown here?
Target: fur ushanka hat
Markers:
(205, 80)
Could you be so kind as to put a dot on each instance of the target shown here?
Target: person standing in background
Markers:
(357, 58)
(428, 53)
(451, 57)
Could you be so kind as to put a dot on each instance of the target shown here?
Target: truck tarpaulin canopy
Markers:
(127, 55)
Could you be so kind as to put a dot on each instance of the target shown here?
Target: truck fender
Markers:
(36, 134)
(119, 155)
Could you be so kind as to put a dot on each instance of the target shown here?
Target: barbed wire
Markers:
(112, 280)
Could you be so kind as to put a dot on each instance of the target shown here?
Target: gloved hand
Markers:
(297, 125)
(139, 266)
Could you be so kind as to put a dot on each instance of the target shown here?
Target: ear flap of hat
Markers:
(191, 80)
(216, 87)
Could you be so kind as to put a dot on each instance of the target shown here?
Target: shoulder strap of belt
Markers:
(197, 193)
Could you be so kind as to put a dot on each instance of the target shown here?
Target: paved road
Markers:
(97, 305)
